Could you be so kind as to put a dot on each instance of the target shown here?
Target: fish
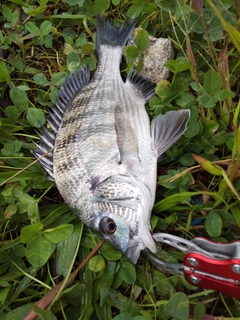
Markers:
(102, 151)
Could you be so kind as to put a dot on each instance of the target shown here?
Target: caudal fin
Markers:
(109, 34)
(168, 128)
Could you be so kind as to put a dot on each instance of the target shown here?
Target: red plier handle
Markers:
(206, 264)
(211, 270)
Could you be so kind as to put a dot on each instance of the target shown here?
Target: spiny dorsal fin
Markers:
(108, 33)
(126, 138)
(168, 128)
(146, 87)
(44, 148)
(71, 87)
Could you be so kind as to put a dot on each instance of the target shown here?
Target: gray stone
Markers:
(160, 50)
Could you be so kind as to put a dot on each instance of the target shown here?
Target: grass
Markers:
(42, 243)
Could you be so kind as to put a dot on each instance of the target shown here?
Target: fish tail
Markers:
(109, 34)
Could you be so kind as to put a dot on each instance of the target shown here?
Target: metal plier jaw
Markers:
(206, 264)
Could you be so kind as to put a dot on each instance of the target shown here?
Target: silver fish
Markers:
(103, 151)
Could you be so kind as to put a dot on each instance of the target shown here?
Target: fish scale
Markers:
(104, 151)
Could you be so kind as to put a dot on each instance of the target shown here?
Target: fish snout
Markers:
(135, 246)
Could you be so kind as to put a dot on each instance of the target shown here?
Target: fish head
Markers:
(129, 238)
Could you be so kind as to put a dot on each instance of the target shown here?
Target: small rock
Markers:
(160, 50)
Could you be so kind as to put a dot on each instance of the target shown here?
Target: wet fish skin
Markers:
(104, 151)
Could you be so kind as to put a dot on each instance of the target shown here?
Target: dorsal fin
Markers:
(146, 87)
(45, 146)
(70, 88)
(168, 128)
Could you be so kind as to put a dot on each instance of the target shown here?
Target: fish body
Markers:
(104, 151)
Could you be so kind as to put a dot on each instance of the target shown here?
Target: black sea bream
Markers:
(104, 152)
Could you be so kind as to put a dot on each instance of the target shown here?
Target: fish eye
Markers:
(107, 225)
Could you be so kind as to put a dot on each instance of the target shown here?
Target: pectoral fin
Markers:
(167, 129)
(126, 138)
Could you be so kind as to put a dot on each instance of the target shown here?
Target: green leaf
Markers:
(4, 73)
(186, 159)
(148, 7)
(172, 218)
(22, 196)
(196, 23)
(19, 312)
(134, 11)
(123, 316)
(74, 2)
(199, 310)
(66, 250)
(110, 253)
(97, 263)
(10, 211)
(219, 138)
(116, 2)
(41, 80)
(34, 116)
(128, 272)
(38, 250)
(12, 113)
(172, 200)
(210, 127)
(44, 314)
(45, 28)
(212, 82)
(223, 94)
(207, 101)
(236, 214)
(19, 99)
(28, 232)
(10, 16)
(17, 63)
(101, 5)
(34, 11)
(59, 233)
(177, 307)
(12, 148)
(87, 48)
(4, 293)
(142, 40)
(177, 66)
(215, 29)
(213, 224)
(32, 28)
(131, 52)
(59, 78)
(106, 281)
(231, 30)
(185, 100)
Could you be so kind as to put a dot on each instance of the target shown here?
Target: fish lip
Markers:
(134, 250)
(136, 246)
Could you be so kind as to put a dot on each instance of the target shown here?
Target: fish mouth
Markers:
(136, 246)
(134, 250)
